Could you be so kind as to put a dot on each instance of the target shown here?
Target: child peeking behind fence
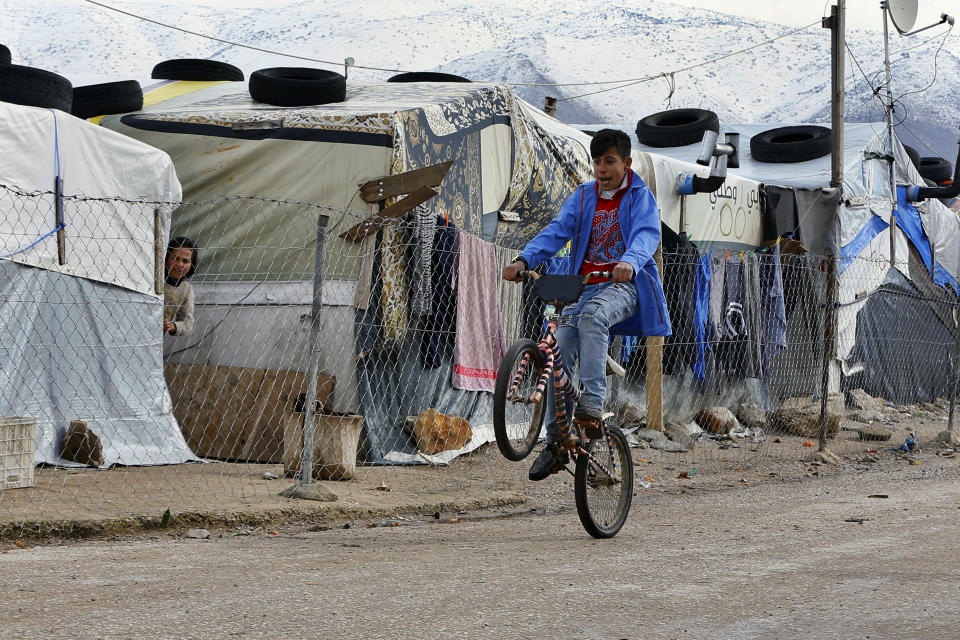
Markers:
(181, 263)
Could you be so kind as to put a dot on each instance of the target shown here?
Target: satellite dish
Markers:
(903, 13)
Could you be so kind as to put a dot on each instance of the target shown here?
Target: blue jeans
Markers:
(586, 340)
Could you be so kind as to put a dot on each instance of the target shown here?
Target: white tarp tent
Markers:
(83, 339)
(856, 226)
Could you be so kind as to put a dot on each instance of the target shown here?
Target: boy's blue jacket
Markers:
(640, 225)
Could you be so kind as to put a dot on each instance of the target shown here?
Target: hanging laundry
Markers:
(774, 308)
(679, 278)
(440, 324)
(716, 311)
(751, 363)
(479, 343)
(396, 285)
(423, 227)
(701, 316)
(733, 324)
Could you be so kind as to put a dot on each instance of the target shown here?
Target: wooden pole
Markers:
(58, 221)
(654, 357)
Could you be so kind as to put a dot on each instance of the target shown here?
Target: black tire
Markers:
(196, 69)
(35, 88)
(297, 86)
(676, 127)
(914, 155)
(603, 506)
(110, 97)
(791, 144)
(517, 425)
(427, 76)
(5, 57)
(936, 169)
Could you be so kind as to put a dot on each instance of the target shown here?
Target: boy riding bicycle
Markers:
(613, 225)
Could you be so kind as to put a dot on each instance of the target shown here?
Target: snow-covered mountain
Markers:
(787, 81)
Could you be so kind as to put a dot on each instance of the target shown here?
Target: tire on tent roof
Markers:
(196, 69)
(914, 155)
(110, 97)
(936, 169)
(791, 144)
(35, 87)
(5, 56)
(297, 86)
(676, 127)
(427, 76)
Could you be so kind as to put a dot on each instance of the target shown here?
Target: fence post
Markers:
(829, 309)
(159, 251)
(954, 369)
(654, 355)
(310, 407)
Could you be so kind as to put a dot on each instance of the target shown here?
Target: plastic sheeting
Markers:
(891, 365)
(40, 144)
(72, 348)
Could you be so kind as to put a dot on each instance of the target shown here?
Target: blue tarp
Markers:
(908, 219)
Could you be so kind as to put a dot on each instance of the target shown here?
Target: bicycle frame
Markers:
(563, 389)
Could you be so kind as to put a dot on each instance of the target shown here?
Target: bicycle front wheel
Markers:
(604, 493)
(517, 422)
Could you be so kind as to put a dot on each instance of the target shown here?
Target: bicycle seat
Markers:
(559, 289)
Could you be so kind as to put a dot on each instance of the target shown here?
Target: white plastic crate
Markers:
(16, 452)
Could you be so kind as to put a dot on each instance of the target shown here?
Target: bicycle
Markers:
(603, 476)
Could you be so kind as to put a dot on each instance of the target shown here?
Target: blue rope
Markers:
(56, 168)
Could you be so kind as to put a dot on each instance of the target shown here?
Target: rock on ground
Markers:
(751, 416)
(803, 422)
(875, 433)
(718, 420)
(863, 401)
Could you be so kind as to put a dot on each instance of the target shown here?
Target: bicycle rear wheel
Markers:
(603, 500)
(517, 423)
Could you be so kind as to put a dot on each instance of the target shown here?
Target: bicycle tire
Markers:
(515, 442)
(603, 507)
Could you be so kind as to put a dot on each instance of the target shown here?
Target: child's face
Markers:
(610, 168)
(179, 261)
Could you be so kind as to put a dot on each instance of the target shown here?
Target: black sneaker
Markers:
(551, 459)
(589, 423)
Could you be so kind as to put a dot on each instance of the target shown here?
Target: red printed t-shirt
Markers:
(606, 245)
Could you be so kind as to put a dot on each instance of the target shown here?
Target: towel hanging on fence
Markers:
(479, 343)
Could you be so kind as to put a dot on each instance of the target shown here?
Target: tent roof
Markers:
(809, 174)
(222, 100)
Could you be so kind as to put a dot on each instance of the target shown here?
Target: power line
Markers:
(634, 81)
(621, 83)
(231, 43)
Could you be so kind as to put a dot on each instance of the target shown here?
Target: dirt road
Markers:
(817, 559)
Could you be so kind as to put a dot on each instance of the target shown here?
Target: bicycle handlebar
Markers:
(530, 273)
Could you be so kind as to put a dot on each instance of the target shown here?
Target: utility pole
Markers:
(884, 4)
(837, 25)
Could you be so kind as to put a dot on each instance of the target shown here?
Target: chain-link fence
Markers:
(131, 384)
